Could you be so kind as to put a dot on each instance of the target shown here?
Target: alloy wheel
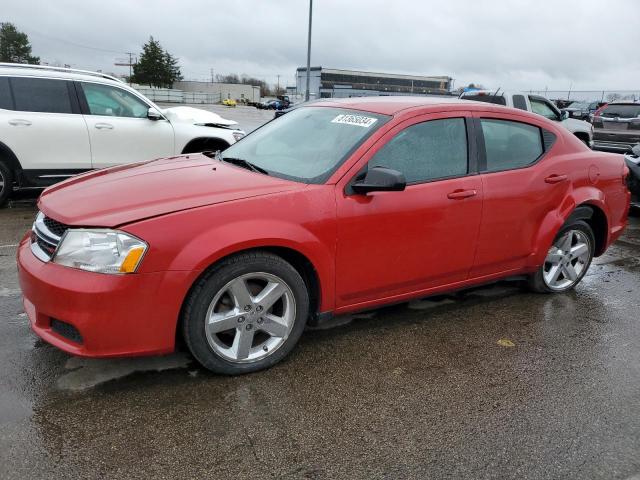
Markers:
(250, 317)
(567, 260)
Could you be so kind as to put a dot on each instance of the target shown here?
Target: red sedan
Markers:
(342, 206)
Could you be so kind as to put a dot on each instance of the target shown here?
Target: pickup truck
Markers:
(536, 104)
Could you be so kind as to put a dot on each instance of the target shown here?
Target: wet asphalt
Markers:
(489, 383)
(493, 382)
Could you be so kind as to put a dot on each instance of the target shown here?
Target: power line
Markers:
(46, 37)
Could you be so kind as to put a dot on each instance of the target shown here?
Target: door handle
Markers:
(555, 178)
(104, 126)
(18, 122)
(460, 194)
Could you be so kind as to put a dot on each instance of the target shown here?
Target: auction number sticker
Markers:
(358, 120)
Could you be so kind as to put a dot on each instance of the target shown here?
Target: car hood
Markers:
(124, 194)
(575, 125)
(196, 116)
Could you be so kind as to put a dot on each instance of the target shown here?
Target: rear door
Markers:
(395, 243)
(119, 129)
(41, 123)
(521, 185)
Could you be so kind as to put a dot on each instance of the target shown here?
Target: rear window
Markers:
(519, 102)
(41, 95)
(622, 111)
(496, 99)
(6, 101)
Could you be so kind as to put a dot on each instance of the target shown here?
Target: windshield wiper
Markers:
(241, 162)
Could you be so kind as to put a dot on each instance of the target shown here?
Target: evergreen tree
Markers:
(15, 46)
(156, 67)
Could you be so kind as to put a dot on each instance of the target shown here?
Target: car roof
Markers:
(23, 70)
(392, 105)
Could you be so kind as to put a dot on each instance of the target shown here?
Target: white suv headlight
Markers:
(100, 250)
(237, 134)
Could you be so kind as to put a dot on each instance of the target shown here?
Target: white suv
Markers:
(55, 123)
(536, 104)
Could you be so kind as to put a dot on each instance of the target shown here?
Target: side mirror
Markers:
(564, 115)
(153, 114)
(380, 179)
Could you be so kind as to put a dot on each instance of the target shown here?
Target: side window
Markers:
(6, 102)
(427, 151)
(519, 102)
(510, 145)
(541, 108)
(112, 101)
(41, 95)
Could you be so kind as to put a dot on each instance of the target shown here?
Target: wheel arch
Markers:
(587, 205)
(10, 158)
(582, 136)
(296, 258)
(194, 145)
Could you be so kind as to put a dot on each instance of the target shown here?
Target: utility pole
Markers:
(306, 95)
(212, 75)
(129, 64)
(278, 85)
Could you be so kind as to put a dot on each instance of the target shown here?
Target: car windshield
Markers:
(621, 110)
(307, 144)
(579, 105)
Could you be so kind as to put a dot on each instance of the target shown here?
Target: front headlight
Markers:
(238, 134)
(100, 250)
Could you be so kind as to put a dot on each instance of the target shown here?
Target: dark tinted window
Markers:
(6, 101)
(427, 151)
(519, 102)
(41, 95)
(620, 110)
(510, 145)
(497, 99)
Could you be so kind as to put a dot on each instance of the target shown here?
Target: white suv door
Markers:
(43, 126)
(119, 129)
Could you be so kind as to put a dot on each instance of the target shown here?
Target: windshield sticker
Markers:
(358, 120)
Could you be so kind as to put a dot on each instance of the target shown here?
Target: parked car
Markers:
(55, 123)
(617, 126)
(632, 159)
(266, 104)
(229, 102)
(335, 207)
(536, 104)
(582, 110)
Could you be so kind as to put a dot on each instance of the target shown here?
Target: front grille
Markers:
(54, 226)
(66, 330)
(45, 237)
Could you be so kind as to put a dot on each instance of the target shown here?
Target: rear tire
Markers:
(6, 183)
(567, 260)
(246, 314)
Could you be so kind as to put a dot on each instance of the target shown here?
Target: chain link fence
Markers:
(590, 95)
(170, 95)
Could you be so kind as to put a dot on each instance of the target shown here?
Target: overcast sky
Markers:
(517, 44)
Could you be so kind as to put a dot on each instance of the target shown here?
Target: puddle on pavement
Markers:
(86, 373)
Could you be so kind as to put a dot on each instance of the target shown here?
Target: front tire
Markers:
(6, 183)
(567, 260)
(246, 314)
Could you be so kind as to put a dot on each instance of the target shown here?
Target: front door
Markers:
(392, 244)
(119, 129)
